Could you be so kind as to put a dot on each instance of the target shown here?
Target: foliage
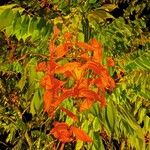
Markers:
(26, 26)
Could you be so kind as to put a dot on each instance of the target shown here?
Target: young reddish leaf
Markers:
(68, 37)
(85, 56)
(100, 83)
(69, 113)
(111, 83)
(48, 99)
(62, 132)
(56, 31)
(41, 66)
(94, 66)
(67, 67)
(61, 50)
(51, 65)
(80, 134)
(103, 101)
(89, 94)
(50, 83)
(94, 43)
(61, 98)
(47, 82)
(60, 125)
(97, 56)
(52, 47)
(86, 104)
(82, 83)
(84, 46)
(78, 73)
(110, 62)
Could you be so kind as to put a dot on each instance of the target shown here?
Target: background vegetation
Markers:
(123, 28)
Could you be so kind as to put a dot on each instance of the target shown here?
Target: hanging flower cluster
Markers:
(74, 70)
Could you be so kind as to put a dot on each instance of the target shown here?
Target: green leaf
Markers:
(22, 82)
(79, 145)
(141, 114)
(111, 115)
(7, 17)
(55, 1)
(127, 117)
(96, 124)
(10, 6)
(99, 16)
(33, 24)
(36, 102)
(98, 144)
(17, 23)
(92, 1)
(108, 7)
